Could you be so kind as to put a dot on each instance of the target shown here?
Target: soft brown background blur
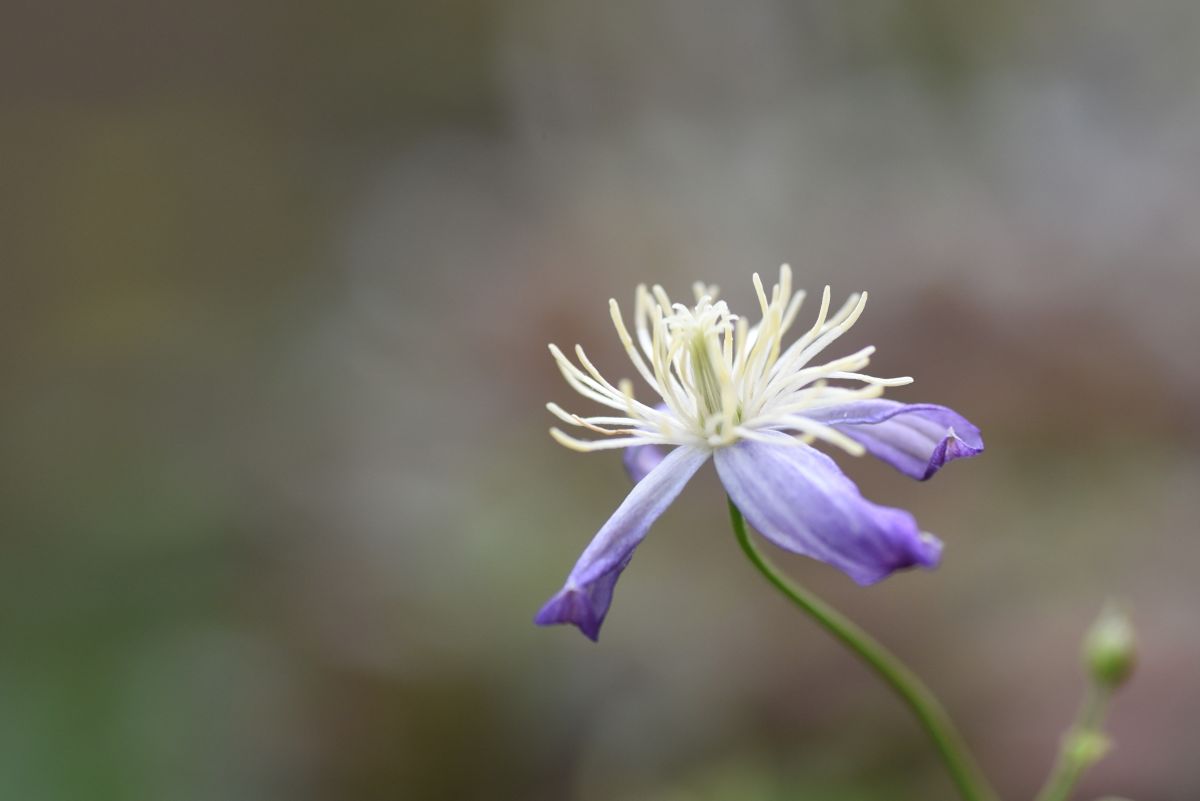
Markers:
(278, 280)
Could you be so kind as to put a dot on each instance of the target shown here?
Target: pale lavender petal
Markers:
(915, 438)
(639, 460)
(798, 498)
(584, 599)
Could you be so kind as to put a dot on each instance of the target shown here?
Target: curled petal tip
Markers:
(918, 439)
(923, 550)
(572, 605)
(929, 550)
(952, 447)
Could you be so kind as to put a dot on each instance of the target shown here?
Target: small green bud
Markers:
(1109, 648)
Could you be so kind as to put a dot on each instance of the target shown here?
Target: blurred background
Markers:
(278, 499)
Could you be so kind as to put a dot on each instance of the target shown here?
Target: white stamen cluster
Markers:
(721, 380)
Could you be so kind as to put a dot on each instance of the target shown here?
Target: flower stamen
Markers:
(720, 379)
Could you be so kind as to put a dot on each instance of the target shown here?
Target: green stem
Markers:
(928, 710)
(1082, 746)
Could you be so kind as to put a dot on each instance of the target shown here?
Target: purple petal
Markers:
(641, 459)
(584, 599)
(798, 498)
(916, 439)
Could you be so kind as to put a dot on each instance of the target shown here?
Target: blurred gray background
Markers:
(277, 282)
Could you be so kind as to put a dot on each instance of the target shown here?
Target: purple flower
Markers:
(733, 392)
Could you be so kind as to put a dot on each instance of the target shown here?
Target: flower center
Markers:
(704, 374)
(719, 379)
(696, 356)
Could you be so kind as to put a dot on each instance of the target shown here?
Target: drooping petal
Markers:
(915, 438)
(584, 599)
(796, 496)
(639, 460)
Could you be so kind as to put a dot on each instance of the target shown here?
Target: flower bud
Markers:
(1109, 648)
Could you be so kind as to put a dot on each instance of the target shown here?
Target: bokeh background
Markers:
(277, 283)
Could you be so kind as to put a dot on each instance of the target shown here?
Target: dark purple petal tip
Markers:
(954, 445)
(906, 549)
(574, 606)
(918, 439)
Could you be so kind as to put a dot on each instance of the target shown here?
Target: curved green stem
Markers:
(928, 710)
(1082, 746)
